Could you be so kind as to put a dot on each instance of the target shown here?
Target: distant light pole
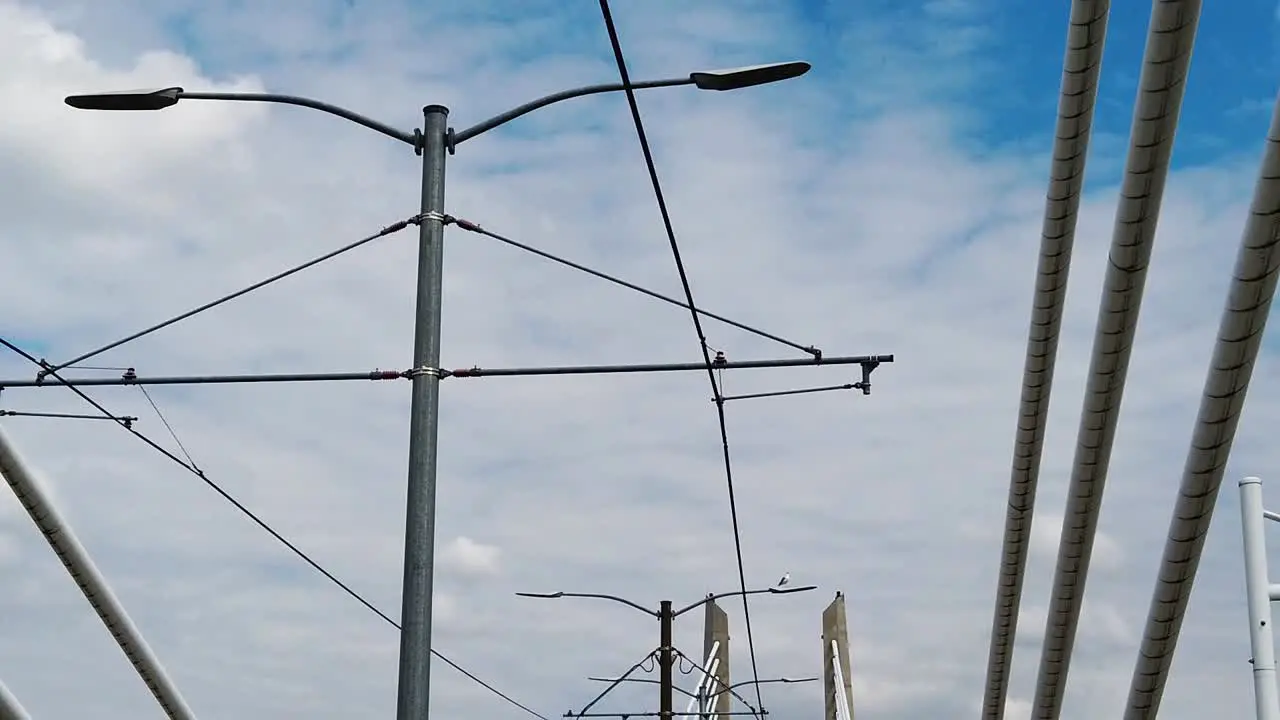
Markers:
(666, 616)
(432, 142)
(708, 695)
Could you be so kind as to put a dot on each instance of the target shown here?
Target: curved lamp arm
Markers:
(597, 596)
(736, 593)
(160, 98)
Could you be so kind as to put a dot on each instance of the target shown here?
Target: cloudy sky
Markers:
(888, 202)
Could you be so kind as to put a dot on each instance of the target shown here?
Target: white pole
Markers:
(10, 708)
(85, 574)
(1257, 586)
(703, 676)
(842, 700)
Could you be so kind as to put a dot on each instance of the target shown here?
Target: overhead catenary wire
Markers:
(167, 426)
(713, 679)
(1235, 354)
(612, 685)
(47, 368)
(1081, 68)
(1161, 86)
(476, 228)
(697, 323)
(67, 416)
(260, 523)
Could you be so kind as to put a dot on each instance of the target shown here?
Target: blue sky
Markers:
(888, 202)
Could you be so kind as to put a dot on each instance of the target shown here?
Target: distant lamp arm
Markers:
(737, 593)
(596, 596)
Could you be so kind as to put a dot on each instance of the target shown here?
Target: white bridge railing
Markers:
(1261, 593)
(704, 701)
(842, 700)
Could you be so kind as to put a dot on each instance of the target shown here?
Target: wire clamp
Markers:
(438, 373)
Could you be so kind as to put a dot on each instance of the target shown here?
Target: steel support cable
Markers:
(47, 369)
(1160, 92)
(612, 685)
(1240, 334)
(475, 228)
(257, 521)
(697, 325)
(1086, 35)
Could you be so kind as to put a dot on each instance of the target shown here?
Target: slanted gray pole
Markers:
(716, 629)
(94, 587)
(420, 511)
(10, 708)
(838, 683)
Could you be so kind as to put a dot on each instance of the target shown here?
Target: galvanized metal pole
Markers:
(1257, 586)
(414, 697)
(666, 658)
(94, 587)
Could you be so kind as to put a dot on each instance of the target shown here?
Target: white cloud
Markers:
(469, 557)
(1046, 532)
(881, 223)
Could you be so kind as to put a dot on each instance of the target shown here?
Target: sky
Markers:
(890, 201)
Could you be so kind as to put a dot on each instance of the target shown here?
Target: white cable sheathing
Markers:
(1170, 38)
(1081, 67)
(85, 574)
(1253, 286)
(10, 708)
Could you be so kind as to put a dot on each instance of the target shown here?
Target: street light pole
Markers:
(424, 423)
(666, 659)
(435, 141)
(666, 617)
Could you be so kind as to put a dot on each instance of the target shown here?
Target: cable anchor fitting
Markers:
(45, 370)
(438, 373)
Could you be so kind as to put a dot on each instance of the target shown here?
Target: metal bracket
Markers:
(439, 373)
(865, 385)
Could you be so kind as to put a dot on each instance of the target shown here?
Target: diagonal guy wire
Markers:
(47, 369)
(475, 228)
(799, 391)
(616, 682)
(720, 683)
(697, 326)
(257, 520)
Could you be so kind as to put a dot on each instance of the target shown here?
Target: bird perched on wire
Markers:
(786, 578)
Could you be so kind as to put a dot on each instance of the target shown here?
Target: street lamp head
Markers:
(547, 596)
(743, 77)
(127, 100)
